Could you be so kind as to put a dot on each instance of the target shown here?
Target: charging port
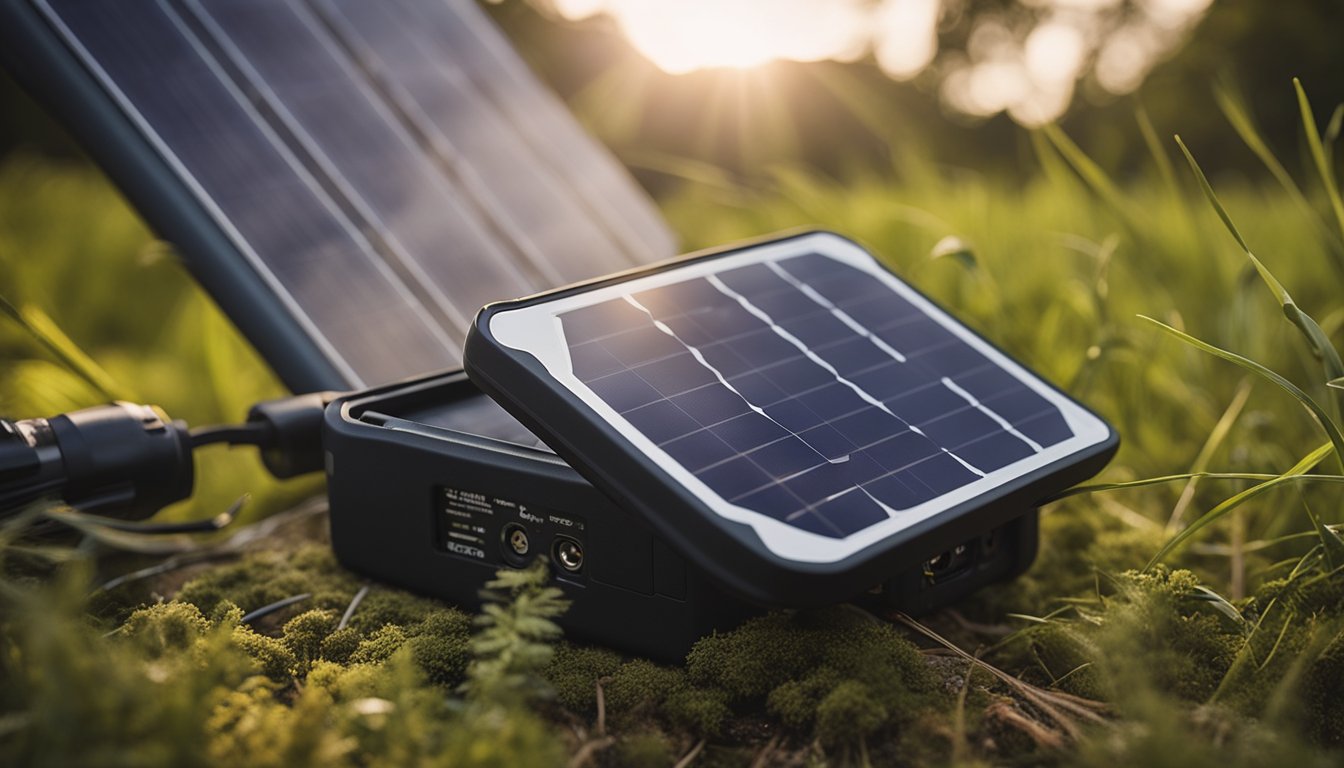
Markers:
(516, 544)
(567, 553)
(949, 563)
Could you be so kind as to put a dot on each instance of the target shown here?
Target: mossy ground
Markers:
(1230, 653)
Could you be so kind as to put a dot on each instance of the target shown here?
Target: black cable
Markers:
(251, 433)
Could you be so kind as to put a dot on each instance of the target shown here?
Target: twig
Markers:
(601, 708)
(589, 749)
(762, 758)
(350, 609)
(1049, 702)
(690, 756)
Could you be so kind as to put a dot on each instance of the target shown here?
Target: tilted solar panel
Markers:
(350, 185)
(797, 388)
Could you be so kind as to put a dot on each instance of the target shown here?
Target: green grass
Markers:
(1196, 590)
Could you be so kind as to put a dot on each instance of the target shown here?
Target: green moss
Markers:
(441, 646)
(166, 627)
(644, 749)
(340, 645)
(379, 646)
(265, 577)
(795, 702)
(848, 714)
(305, 633)
(1323, 695)
(272, 656)
(698, 711)
(573, 674)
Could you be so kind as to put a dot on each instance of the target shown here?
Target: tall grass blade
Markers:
(49, 335)
(1227, 505)
(1160, 158)
(1241, 122)
(1332, 130)
(1092, 174)
(1332, 546)
(1320, 344)
(1318, 154)
(1322, 418)
(1205, 456)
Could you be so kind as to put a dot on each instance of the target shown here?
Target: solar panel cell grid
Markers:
(261, 191)
(807, 391)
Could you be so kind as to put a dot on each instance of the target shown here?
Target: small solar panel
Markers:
(797, 388)
(350, 180)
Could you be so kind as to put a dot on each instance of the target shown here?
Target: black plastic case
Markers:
(390, 460)
(731, 552)
(389, 466)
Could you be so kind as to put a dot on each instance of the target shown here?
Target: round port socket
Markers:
(568, 554)
(989, 543)
(516, 543)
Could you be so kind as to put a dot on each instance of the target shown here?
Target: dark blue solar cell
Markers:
(901, 450)
(942, 473)
(624, 390)
(798, 374)
(641, 344)
(749, 431)
(712, 404)
(994, 451)
(810, 521)
(820, 330)
(892, 381)
(794, 414)
(762, 348)
(773, 500)
(862, 429)
(676, 374)
(862, 468)
(853, 356)
(817, 485)
(933, 399)
(1047, 429)
(835, 400)
(591, 360)
(836, 281)
(758, 388)
(598, 320)
(898, 491)
(851, 512)
(890, 318)
(827, 441)
(735, 478)
(661, 421)
(783, 458)
(1002, 393)
(699, 450)
(950, 359)
(958, 427)
(688, 296)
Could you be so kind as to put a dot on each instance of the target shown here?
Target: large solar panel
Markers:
(377, 170)
(799, 388)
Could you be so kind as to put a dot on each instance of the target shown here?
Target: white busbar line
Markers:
(764, 317)
(700, 358)
(844, 317)
(1007, 425)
